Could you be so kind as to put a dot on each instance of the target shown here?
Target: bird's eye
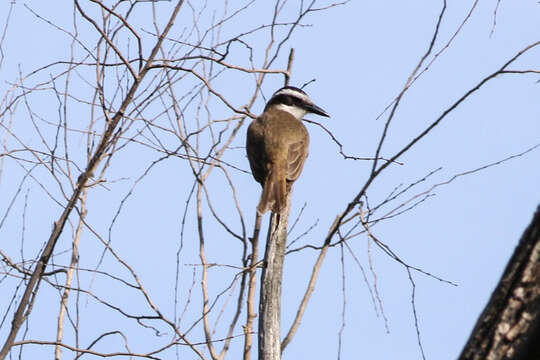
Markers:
(288, 100)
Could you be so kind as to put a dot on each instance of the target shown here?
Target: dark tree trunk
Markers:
(509, 326)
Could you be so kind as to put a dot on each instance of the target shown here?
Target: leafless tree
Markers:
(147, 92)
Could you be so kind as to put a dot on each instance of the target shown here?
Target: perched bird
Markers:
(278, 145)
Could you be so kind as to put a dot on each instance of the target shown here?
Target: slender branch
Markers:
(84, 351)
(69, 276)
(252, 286)
(107, 39)
(23, 309)
(407, 85)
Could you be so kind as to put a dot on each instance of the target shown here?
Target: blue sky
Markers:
(361, 55)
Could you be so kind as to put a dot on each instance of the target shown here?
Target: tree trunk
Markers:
(509, 326)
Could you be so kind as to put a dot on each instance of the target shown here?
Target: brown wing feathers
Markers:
(277, 147)
(296, 158)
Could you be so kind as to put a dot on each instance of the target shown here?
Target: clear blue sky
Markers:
(361, 55)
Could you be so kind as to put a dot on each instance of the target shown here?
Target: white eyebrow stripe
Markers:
(295, 111)
(294, 93)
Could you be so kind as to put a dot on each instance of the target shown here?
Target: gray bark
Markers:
(271, 281)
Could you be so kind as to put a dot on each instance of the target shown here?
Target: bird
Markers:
(277, 145)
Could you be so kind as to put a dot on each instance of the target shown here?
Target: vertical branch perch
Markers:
(271, 281)
(289, 67)
(272, 273)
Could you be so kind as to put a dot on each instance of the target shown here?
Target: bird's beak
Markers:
(312, 108)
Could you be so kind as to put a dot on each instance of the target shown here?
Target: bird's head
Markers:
(294, 101)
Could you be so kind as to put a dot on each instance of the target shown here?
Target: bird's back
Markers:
(277, 137)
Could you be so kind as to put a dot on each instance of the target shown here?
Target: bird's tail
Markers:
(274, 195)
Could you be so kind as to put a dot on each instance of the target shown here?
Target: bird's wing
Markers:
(297, 154)
(255, 152)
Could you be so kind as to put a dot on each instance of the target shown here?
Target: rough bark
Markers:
(509, 326)
(271, 283)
